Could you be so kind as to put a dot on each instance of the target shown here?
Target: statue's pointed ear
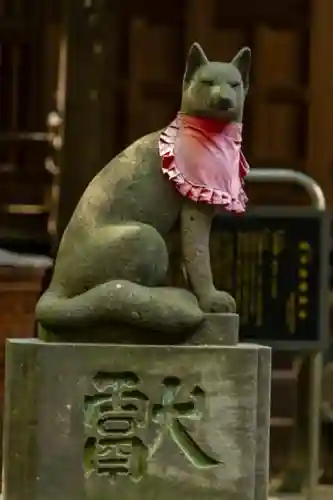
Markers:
(196, 58)
(242, 61)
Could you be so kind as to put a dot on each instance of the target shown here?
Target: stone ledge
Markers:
(217, 329)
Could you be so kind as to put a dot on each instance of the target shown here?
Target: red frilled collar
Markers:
(203, 159)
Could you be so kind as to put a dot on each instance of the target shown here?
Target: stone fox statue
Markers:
(113, 259)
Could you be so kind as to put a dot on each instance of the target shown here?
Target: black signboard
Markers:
(275, 262)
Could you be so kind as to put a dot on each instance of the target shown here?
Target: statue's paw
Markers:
(218, 302)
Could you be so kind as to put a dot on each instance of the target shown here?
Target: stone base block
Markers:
(130, 422)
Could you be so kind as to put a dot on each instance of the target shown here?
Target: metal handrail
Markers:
(318, 202)
(285, 176)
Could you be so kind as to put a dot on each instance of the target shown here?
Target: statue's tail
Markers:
(156, 308)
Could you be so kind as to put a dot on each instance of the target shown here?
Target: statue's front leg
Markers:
(196, 221)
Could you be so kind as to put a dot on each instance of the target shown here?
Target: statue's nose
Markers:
(224, 103)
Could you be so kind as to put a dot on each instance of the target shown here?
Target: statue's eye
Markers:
(207, 81)
(234, 85)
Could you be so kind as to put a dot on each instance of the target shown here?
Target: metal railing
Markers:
(318, 202)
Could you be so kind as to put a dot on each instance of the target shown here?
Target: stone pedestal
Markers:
(135, 422)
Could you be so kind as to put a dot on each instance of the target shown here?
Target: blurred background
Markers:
(81, 79)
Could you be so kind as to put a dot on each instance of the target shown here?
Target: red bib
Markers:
(203, 158)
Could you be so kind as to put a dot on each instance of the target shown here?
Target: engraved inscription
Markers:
(169, 415)
(112, 417)
(118, 415)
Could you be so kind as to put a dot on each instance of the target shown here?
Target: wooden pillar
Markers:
(89, 45)
(276, 122)
(320, 126)
(154, 82)
(198, 20)
(219, 43)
